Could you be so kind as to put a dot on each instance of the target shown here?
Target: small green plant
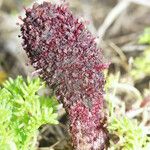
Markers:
(125, 133)
(145, 37)
(141, 66)
(141, 63)
(22, 112)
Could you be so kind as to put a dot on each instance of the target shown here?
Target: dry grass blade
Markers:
(114, 13)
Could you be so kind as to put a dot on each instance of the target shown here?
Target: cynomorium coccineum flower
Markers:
(65, 54)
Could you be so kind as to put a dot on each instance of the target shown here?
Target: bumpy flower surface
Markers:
(65, 54)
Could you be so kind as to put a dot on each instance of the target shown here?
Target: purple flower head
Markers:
(66, 55)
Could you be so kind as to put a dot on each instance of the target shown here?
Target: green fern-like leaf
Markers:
(22, 112)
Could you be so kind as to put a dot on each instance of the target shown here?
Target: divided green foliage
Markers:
(22, 112)
(125, 133)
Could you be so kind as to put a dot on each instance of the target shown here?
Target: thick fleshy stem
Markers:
(64, 53)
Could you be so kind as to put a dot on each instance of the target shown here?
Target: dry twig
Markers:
(115, 12)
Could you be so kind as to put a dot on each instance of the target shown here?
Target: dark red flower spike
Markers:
(66, 56)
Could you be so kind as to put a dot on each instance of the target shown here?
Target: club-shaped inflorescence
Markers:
(66, 56)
